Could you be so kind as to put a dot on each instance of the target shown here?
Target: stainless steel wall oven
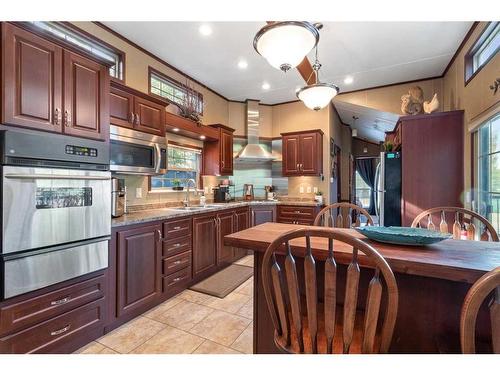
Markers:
(55, 209)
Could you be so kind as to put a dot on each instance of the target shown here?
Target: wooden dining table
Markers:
(432, 282)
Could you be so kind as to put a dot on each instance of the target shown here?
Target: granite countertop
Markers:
(154, 214)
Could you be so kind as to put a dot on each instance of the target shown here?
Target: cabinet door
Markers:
(291, 155)
(263, 214)
(86, 97)
(204, 244)
(121, 108)
(226, 226)
(32, 80)
(226, 144)
(308, 154)
(139, 268)
(242, 223)
(149, 116)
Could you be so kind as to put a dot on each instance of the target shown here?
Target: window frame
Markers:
(152, 71)
(84, 35)
(199, 176)
(356, 188)
(469, 72)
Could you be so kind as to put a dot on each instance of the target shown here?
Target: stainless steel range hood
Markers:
(253, 151)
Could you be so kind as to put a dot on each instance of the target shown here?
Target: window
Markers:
(362, 192)
(183, 164)
(92, 46)
(173, 91)
(488, 171)
(483, 50)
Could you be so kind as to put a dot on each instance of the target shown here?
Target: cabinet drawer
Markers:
(177, 228)
(47, 336)
(296, 212)
(37, 309)
(176, 246)
(177, 280)
(176, 263)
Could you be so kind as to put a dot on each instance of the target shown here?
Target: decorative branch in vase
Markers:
(190, 105)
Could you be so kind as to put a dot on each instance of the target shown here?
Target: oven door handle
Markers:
(55, 177)
(158, 158)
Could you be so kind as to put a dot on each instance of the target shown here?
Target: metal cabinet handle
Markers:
(177, 228)
(131, 117)
(296, 212)
(57, 116)
(61, 301)
(160, 238)
(177, 279)
(137, 119)
(67, 118)
(177, 262)
(59, 331)
(176, 245)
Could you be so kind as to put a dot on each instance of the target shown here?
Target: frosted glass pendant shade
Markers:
(317, 96)
(285, 44)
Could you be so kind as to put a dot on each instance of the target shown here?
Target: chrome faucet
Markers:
(195, 185)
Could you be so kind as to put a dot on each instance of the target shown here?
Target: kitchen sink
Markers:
(196, 208)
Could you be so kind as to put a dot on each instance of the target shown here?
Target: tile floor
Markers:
(189, 322)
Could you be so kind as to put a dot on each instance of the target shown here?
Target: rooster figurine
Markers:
(431, 106)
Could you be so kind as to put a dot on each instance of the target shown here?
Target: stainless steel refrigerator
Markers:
(388, 189)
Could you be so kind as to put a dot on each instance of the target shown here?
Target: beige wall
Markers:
(476, 99)
(388, 99)
(136, 73)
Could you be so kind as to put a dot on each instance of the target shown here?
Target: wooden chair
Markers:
(461, 217)
(305, 322)
(326, 216)
(486, 285)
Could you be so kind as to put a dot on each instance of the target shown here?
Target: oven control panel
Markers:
(81, 151)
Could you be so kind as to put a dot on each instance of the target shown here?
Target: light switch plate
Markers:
(308, 189)
(138, 192)
(301, 190)
(315, 189)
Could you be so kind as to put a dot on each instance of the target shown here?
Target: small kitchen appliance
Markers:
(222, 194)
(248, 192)
(118, 197)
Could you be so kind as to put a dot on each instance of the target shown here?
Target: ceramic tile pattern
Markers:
(190, 322)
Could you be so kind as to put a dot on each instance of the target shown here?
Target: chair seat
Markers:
(355, 347)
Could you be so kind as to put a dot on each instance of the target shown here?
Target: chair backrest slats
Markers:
(476, 296)
(350, 301)
(330, 297)
(311, 295)
(279, 293)
(471, 221)
(371, 313)
(297, 328)
(343, 216)
(294, 295)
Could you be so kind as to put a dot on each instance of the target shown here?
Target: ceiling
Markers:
(373, 53)
(371, 124)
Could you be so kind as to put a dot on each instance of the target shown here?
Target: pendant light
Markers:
(318, 95)
(285, 44)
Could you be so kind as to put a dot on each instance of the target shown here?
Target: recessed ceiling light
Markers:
(348, 80)
(202, 137)
(175, 129)
(242, 64)
(266, 86)
(205, 30)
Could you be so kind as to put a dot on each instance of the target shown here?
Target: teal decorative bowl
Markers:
(403, 235)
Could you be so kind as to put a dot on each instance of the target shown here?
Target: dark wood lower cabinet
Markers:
(226, 224)
(262, 214)
(138, 268)
(242, 223)
(204, 245)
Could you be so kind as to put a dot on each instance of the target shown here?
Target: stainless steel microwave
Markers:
(134, 152)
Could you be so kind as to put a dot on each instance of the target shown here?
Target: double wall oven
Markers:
(56, 209)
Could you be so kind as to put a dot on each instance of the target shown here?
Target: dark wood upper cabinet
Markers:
(121, 107)
(86, 86)
(133, 109)
(47, 87)
(218, 155)
(139, 273)
(32, 80)
(149, 116)
(204, 245)
(303, 153)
